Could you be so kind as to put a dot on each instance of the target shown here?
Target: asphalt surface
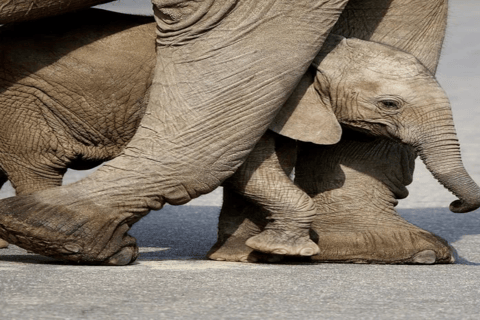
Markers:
(172, 279)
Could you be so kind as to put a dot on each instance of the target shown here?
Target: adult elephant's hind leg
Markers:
(355, 185)
(235, 226)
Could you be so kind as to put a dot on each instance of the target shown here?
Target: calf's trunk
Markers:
(440, 151)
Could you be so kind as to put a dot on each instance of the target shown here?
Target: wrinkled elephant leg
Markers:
(25, 179)
(223, 70)
(235, 227)
(239, 220)
(98, 236)
(355, 185)
(263, 179)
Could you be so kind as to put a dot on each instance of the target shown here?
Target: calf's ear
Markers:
(307, 116)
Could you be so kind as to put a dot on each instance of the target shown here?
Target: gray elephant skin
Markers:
(411, 27)
(363, 84)
(223, 70)
(138, 56)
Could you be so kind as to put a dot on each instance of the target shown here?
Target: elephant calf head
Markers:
(385, 92)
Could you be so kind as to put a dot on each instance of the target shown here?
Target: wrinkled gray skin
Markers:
(96, 131)
(82, 94)
(352, 224)
(199, 126)
(355, 224)
(49, 122)
(112, 54)
(364, 84)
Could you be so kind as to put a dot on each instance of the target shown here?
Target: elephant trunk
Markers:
(439, 149)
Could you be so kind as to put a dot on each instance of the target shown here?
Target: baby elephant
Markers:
(368, 87)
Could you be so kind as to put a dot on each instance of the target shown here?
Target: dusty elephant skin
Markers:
(110, 118)
(84, 92)
(386, 22)
(352, 224)
(289, 197)
(157, 133)
(384, 92)
(333, 174)
(394, 96)
(217, 85)
(112, 55)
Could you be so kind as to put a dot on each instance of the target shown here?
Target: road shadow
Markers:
(188, 232)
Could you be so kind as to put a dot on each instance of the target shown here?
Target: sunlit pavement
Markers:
(172, 279)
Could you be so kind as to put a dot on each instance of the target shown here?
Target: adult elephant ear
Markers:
(24, 10)
(307, 115)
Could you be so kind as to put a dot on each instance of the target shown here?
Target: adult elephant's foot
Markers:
(355, 185)
(239, 220)
(3, 244)
(234, 249)
(388, 239)
(82, 232)
(283, 243)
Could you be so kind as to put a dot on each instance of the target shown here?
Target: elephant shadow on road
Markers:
(188, 232)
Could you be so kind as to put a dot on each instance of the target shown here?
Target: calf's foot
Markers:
(239, 220)
(234, 249)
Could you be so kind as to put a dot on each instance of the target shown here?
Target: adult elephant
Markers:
(224, 68)
(114, 54)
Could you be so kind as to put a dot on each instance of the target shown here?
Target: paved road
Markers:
(171, 278)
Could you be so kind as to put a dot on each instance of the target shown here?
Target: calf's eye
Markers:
(389, 104)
